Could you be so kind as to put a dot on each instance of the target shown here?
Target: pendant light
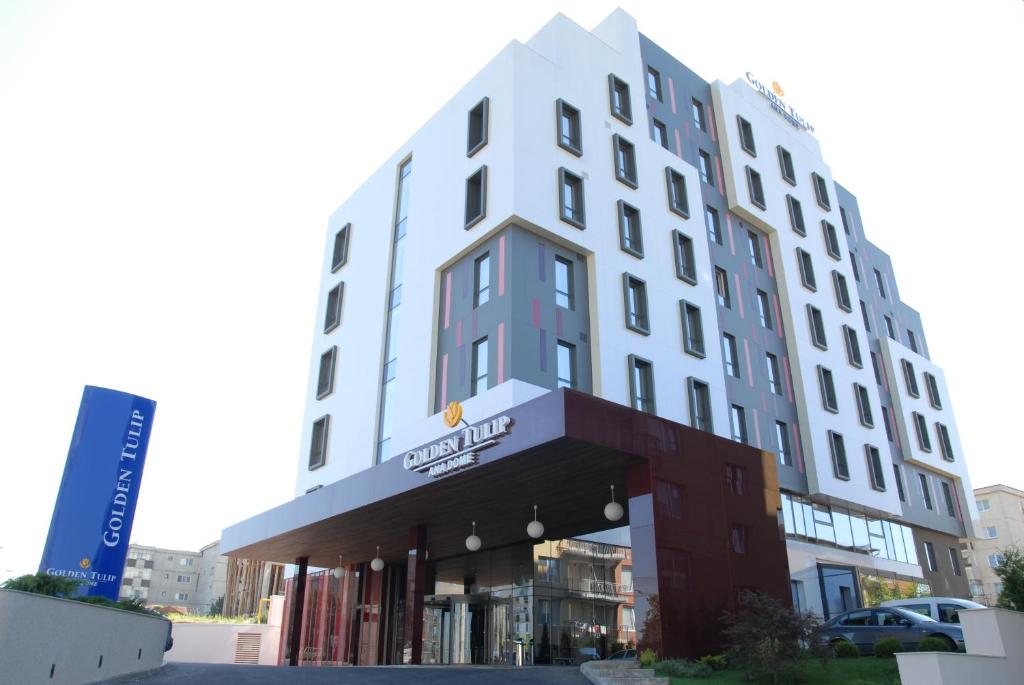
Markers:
(473, 541)
(377, 564)
(339, 570)
(613, 510)
(535, 528)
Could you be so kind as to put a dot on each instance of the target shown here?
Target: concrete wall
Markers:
(51, 640)
(216, 643)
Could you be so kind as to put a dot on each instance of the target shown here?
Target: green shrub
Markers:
(888, 646)
(933, 644)
(680, 668)
(43, 584)
(844, 649)
(717, 662)
(647, 658)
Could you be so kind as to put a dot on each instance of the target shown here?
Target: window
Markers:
(764, 310)
(817, 327)
(693, 329)
(852, 347)
(945, 445)
(831, 240)
(782, 444)
(686, 263)
(875, 467)
(660, 133)
(842, 292)
(677, 200)
(837, 447)
(889, 329)
(846, 222)
(732, 361)
(929, 555)
(880, 283)
(566, 365)
(668, 498)
(630, 235)
(912, 340)
(910, 377)
(888, 424)
(932, 386)
(641, 384)
(863, 405)
(714, 224)
(803, 258)
(947, 497)
(755, 188)
(774, 382)
(332, 317)
(926, 492)
(476, 197)
(184, 579)
(704, 165)
(856, 270)
(563, 283)
(735, 476)
(796, 215)
(746, 136)
(325, 379)
(570, 194)
(738, 419)
(722, 288)
(877, 367)
(318, 442)
(786, 165)
(700, 405)
(699, 119)
(478, 381)
(618, 94)
(739, 539)
(477, 129)
(635, 291)
(482, 280)
(995, 560)
(625, 161)
(754, 243)
(828, 390)
(570, 129)
(181, 597)
(954, 562)
(899, 480)
(991, 533)
(984, 505)
(821, 192)
(864, 315)
(924, 441)
(653, 84)
(340, 254)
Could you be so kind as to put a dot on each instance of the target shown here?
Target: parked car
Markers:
(586, 654)
(623, 654)
(942, 609)
(865, 627)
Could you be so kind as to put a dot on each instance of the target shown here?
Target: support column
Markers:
(295, 620)
(643, 539)
(415, 587)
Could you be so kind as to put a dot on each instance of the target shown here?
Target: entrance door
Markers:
(838, 589)
(466, 629)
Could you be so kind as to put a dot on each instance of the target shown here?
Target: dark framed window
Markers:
(864, 315)
(641, 384)
(339, 256)
(482, 280)
(754, 243)
(856, 269)
(318, 442)
(911, 378)
(693, 329)
(735, 479)
(842, 292)
(954, 562)
(826, 384)
(653, 84)
(845, 220)
(899, 482)
(912, 340)
(803, 258)
(926, 492)
(566, 358)
(686, 262)
(852, 347)
(932, 386)
(756, 188)
(764, 309)
(722, 288)
(564, 295)
(570, 128)
(700, 404)
(660, 133)
(796, 215)
(877, 367)
(704, 166)
(888, 424)
(821, 191)
(630, 233)
(924, 441)
(714, 223)
(570, 198)
(738, 423)
(675, 183)
(477, 129)
(746, 136)
(874, 458)
(625, 161)
(699, 118)
(618, 99)
(880, 283)
(730, 355)
(947, 498)
(774, 378)
(786, 165)
(332, 317)
(945, 444)
(635, 294)
(837, 448)
(817, 327)
(325, 378)
(782, 444)
(932, 561)
(476, 197)
(863, 405)
(831, 240)
(478, 381)
(890, 330)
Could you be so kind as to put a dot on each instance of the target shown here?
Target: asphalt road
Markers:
(230, 674)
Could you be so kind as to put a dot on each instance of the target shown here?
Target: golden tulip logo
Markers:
(777, 89)
(453, 414)
(85, 563)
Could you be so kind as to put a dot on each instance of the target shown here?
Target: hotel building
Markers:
(592, 269)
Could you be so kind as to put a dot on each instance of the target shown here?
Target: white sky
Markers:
(167, 169)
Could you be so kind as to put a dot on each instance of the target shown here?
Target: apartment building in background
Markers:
(1000, 524)
(171, 577)
(656, 279)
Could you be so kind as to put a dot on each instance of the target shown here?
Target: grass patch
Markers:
(864, 670)
(192, 618)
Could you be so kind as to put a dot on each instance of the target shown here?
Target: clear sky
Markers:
(167, 169)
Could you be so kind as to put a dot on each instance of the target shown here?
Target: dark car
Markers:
(865, 627)
(623, 654)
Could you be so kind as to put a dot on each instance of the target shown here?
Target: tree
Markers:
(217, 607)
(1011, 572)
(43, 584)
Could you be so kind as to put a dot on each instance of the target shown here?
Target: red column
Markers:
(415, 587)
(295, 620)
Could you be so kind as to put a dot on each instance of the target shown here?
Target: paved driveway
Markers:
(229, 674)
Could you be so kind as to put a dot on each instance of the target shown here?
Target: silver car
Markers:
(865, 627)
